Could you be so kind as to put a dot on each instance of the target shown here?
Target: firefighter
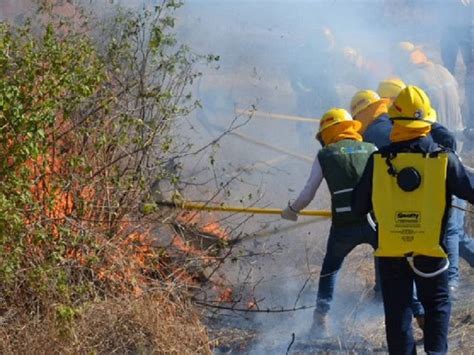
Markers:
(439, 84)
(369, 106)
(390, 88)
(371, 110)
(409, 185)
(458, 243)
(341, 162)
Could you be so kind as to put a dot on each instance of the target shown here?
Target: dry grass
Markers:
(152, 324)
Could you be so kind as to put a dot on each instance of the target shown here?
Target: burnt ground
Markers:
(361, 332)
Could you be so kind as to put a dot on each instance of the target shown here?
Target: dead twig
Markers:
(246, 310)
(291, 343)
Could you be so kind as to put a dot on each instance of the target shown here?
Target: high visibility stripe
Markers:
(343, 209)
(343, 191)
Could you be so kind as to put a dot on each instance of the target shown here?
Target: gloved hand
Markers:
(288, 214)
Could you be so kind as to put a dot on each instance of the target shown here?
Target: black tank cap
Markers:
(409, 179)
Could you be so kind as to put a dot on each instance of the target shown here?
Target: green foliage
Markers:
(44, 77)
(86, 112)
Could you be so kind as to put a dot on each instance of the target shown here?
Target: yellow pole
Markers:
(226, 208)
(276, 116)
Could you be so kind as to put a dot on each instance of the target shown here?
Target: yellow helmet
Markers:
(363, 99)
(412, 108)
(390, 88)
(336, 116)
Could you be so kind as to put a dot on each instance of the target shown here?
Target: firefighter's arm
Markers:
(460, 179)
(307, 194)
(443, 136)
(310, 188)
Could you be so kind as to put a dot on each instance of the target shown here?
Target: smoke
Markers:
(297, 58)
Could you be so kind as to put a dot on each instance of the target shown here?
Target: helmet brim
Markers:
(428, 120)
(414, 123)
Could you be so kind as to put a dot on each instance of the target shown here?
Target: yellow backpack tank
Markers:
(409, 201)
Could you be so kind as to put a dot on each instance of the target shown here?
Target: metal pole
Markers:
(226, 208)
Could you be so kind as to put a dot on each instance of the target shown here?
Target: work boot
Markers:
(319, 327)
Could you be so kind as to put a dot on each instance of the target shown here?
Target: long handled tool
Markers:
(276, 116)
(226, 208)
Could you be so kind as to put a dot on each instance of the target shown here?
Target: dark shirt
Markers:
(378, 131)
(443, 136)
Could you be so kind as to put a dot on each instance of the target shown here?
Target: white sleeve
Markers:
(309, 190)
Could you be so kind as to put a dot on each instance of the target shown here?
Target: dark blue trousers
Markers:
(397, 290)
(341, 242)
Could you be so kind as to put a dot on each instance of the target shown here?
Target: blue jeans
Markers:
(466, 243)
(341, 241)
(454, 229)
(397, 280)
(457, 243)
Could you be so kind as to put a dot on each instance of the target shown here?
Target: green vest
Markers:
(343, 164)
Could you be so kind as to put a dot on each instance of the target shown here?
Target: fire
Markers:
(126, 259)
(179, 243)
(198, 235)
(226, 295)
(252, 304)
(215, 229)
(205, 222)
(203, 234)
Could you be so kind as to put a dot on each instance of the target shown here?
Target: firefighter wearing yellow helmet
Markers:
(361, 100)
(341, 162)
(409, 185)
(371, 110)
(390, 88)
(378, 133)
(374, 113)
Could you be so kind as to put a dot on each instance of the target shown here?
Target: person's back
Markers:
(342, 165)
(370, 109)
(378, 132)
